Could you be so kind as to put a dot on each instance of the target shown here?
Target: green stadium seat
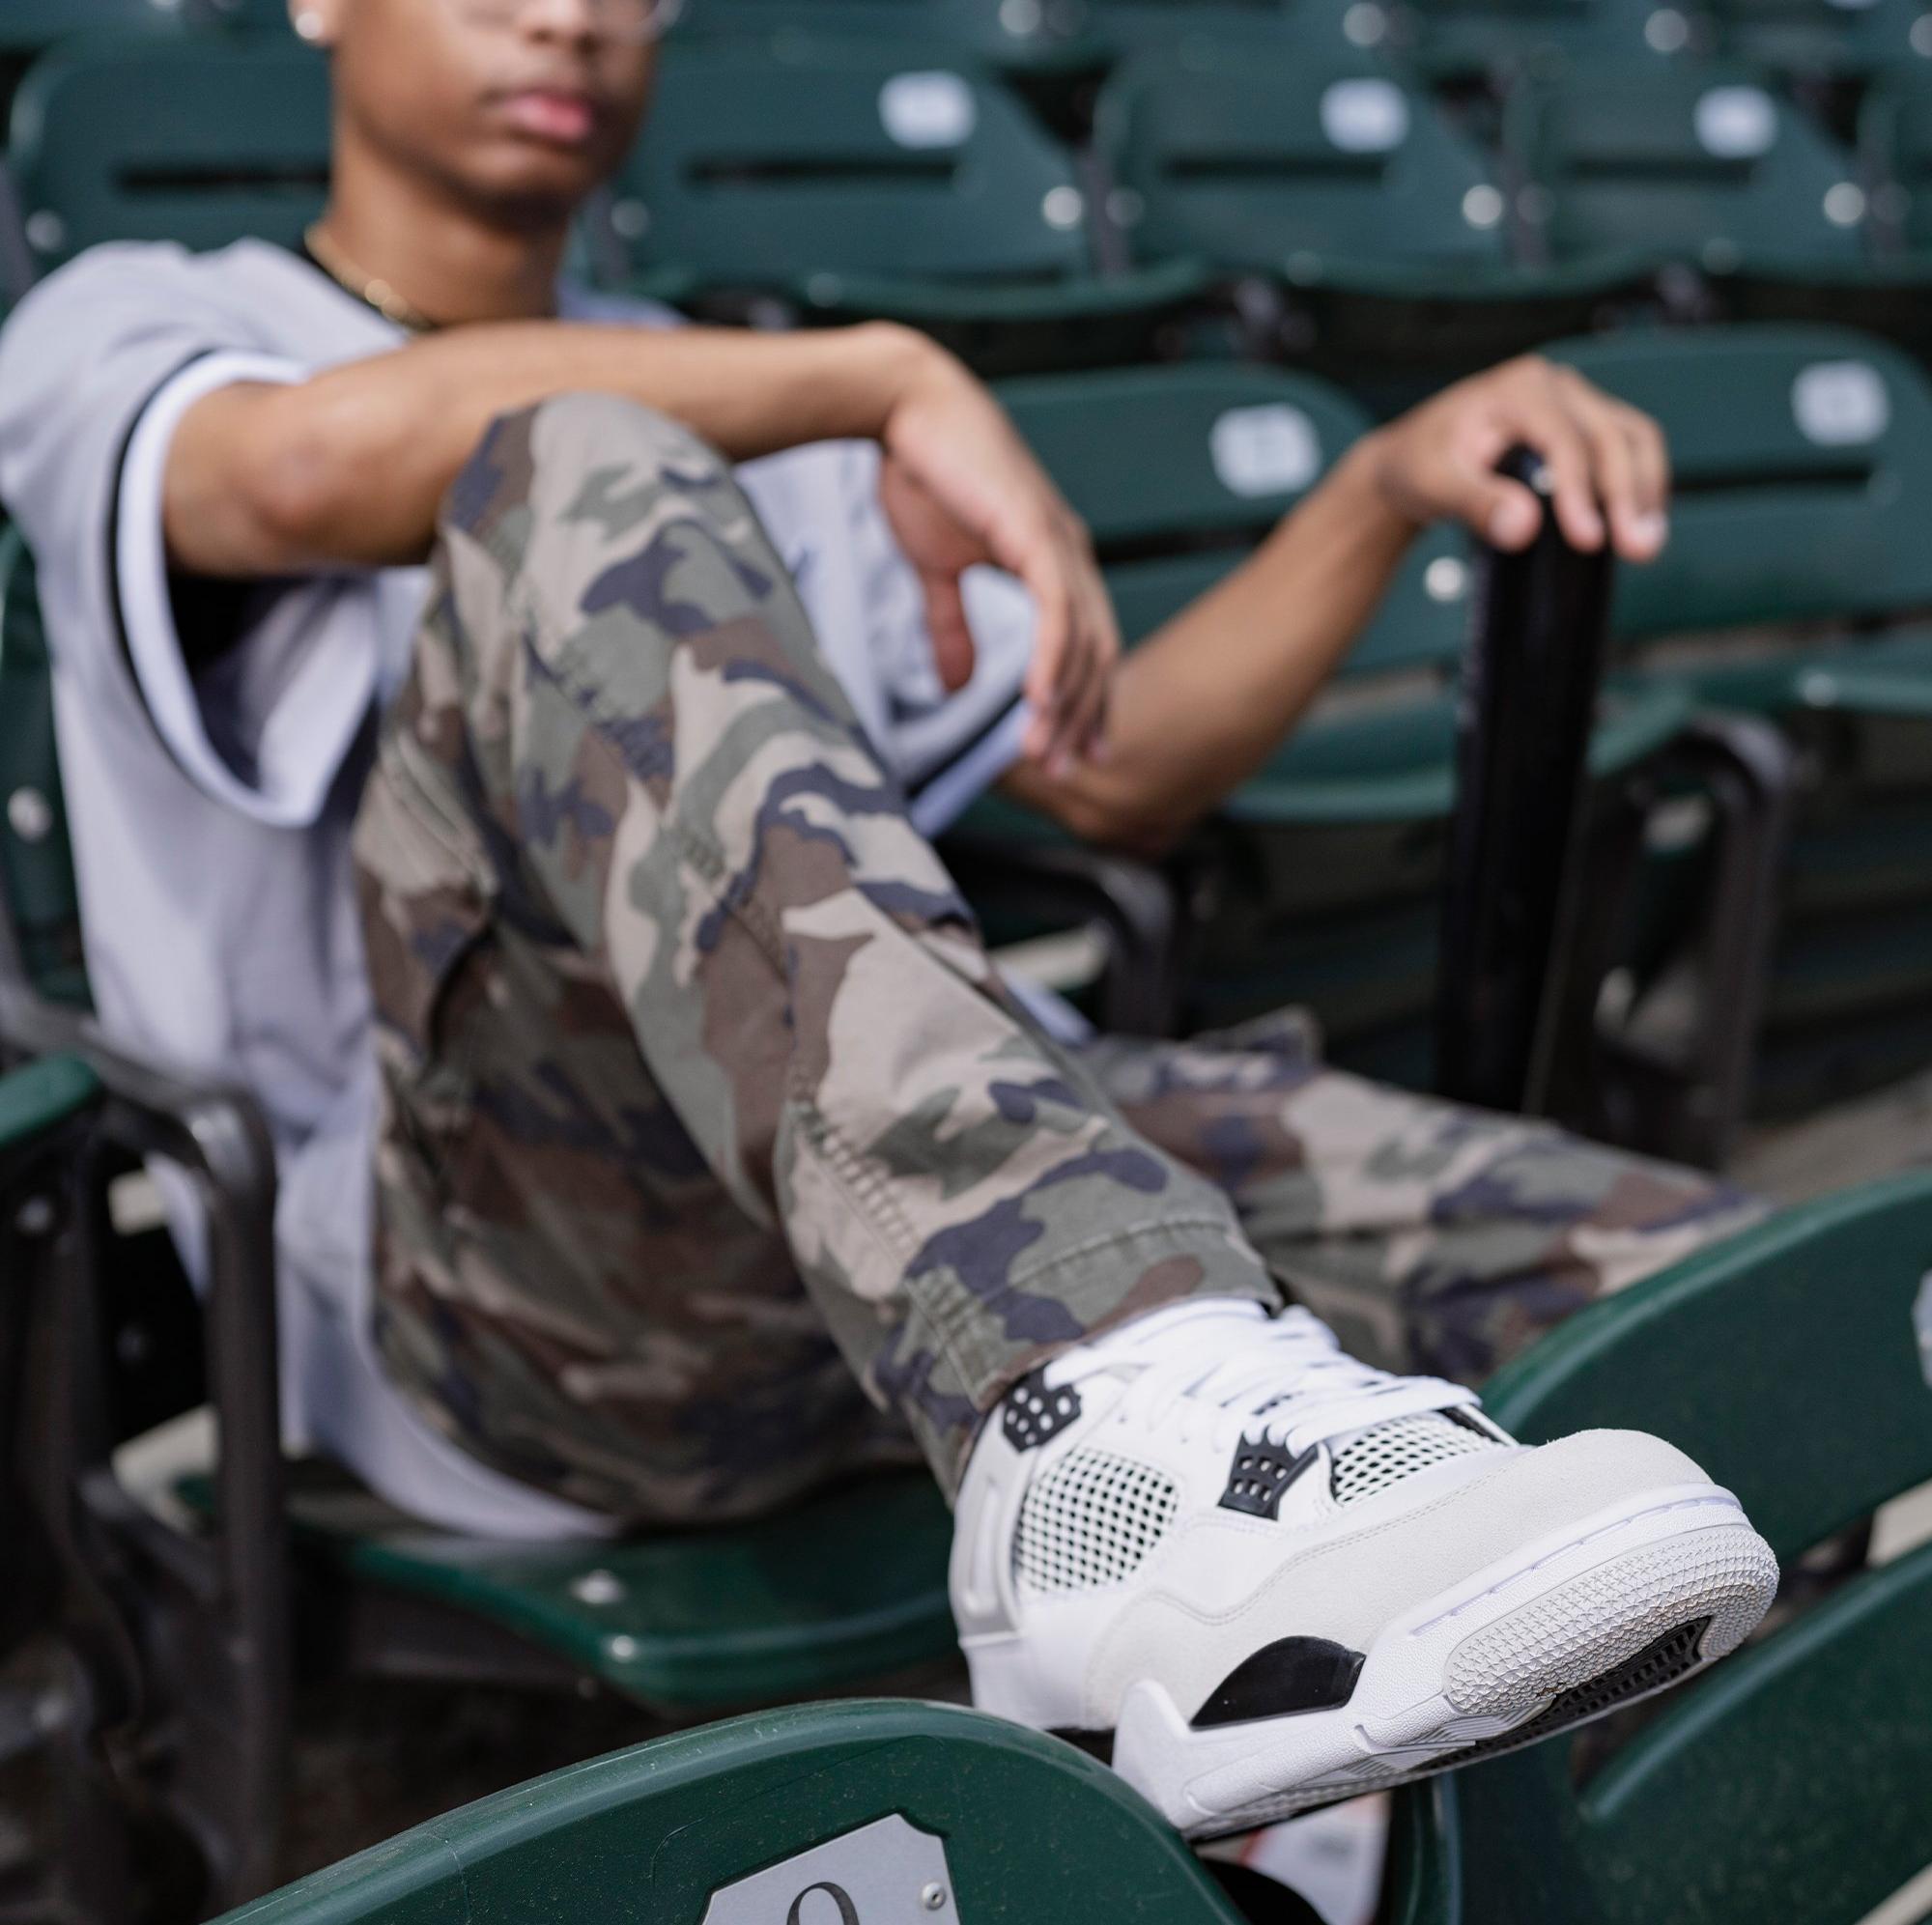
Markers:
(1684, 164)
(883, 1811)
(1790, 1782)
(1332, 855)
(1803, 466)
(1802, 460)
(36, 860)
(194, 140)
(1023, 37)
(845, 1588)
(30, 26)
(1821, 39)
(1499, 41)
(1889, 290)
(1343, 185)
(1895, 140)
(833, 182)
(1276, 30)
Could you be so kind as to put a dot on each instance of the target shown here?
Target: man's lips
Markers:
(545, 113)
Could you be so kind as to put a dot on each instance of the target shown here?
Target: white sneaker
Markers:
(1279, 1577)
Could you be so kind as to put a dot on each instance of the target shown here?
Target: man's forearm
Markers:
(349, 467)
(1209, 697)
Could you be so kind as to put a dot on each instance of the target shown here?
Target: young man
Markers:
(700, 1105)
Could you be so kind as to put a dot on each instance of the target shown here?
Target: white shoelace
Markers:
(1228, 1366)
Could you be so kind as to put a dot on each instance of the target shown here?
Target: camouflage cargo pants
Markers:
(704, 1107)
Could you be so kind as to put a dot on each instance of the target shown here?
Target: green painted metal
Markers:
(1771, 523)
(1791, 1782)
(1025, 40)
(1467, 40)
(844, 1588)
(36, 1097)
(1145, 455)
(36, 857)
(1895, 140)
(1308, 168)
(1034, 1832)
(1661, 161)
(1816, 40)
(1339, 178)
(1277, 31)
(1400, 765)
(28, 26)
(196, 139)
(848, 179)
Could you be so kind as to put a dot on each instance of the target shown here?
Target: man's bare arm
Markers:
(1204, 701)
(347, 467)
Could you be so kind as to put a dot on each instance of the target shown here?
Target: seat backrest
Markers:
(872, 1811)
(1814, 38)
(1024, 36)
(1179, 471)
(37, 896)
(1273, 30)
(1282, 165)
(1695, 162)
(1895, 137)
(1792, 1363)
(1470, 37)
(27, 26)
(199, 139)
(1802, 465)
(765, 165)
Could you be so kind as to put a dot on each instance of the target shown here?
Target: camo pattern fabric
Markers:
(704, 1107)
(701, 1099)
(1431, 1237)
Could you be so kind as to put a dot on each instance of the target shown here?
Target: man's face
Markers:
(517, 108)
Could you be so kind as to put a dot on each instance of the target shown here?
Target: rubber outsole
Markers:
(1599, 1637)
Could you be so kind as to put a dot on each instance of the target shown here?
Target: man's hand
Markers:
(1606, 461)
(960, 486)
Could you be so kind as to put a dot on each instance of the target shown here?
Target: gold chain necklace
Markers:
(366, 287)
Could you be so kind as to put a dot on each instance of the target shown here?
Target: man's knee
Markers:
(582, 456)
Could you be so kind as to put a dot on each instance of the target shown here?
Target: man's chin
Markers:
(534, 201)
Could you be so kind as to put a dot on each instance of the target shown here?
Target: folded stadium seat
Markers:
(1339, 185)
(1803, 466)
(873, 1814)
(1822, 40)
(827, 183)
(1324, 867)
(1695, 167)
(1020, 36)
(1790, 1783)
(845, 1588)
(1272, 30)
(1889, 292)
(1498, 40)
(194, 139)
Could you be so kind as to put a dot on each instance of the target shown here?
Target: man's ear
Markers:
(316, 22)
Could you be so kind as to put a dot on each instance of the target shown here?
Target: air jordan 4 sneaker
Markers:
(1269, 1576)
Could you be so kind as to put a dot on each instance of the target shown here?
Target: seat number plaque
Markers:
(887, 1873)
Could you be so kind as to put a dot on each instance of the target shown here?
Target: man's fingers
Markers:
(1613, 475)
(952, 650)
(1550, 429)
(1650, 457)
(1503, 512)
(1053, 639)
